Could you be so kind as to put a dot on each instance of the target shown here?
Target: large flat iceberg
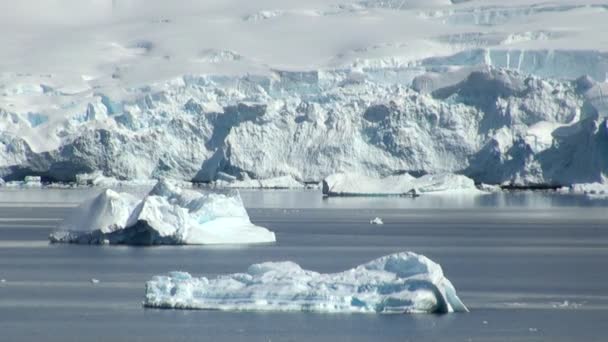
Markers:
(398, 283)
(352, 184)
(167, 215)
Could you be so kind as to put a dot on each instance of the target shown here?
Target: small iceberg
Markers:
(32, 181)
(590, 189)
(398, 283)
(28, 182)
(376, 220)
(168, 215)
(352, 184)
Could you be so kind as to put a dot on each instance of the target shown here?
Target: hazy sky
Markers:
(78, 12)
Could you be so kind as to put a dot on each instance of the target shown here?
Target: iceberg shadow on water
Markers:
(399, 283)
(168, 215)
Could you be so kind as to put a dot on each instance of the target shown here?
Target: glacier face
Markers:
(168, 215)
(481, 88)
(398, 283)
(494, 125)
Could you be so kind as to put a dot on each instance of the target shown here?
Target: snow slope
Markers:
(397, 283)
(168, 215)
(149, 89)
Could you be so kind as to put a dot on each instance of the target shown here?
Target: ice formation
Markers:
(376, 220)
(500, 92)
(398, 283)
(167, 215)
(32, 181)
(597, 189)
(351, 184)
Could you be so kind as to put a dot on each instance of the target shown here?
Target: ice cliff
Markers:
(397, 283)
(494, 126)
(168, 215)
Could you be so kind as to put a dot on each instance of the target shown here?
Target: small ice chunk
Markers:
(32, 181)
(398, 283)
(3, 281)
(377, 220)
(489, 187)
(94, 281)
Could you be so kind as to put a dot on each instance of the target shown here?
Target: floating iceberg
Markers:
(352, 184)
(594, 189)
(376, 220)
(27, 182)
(168, 215)
(492, 188)
(399, 283)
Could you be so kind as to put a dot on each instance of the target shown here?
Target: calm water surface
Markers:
(530, 266)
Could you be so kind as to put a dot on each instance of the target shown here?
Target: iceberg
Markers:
(377, 221)
(168, 215)
(352, 184)
(594, 189)
(32, 181)
(399, 283)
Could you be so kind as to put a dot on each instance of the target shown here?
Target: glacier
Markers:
(399, 283)
(168, 215)
(352, 184)
(495, 126)
(495, 92)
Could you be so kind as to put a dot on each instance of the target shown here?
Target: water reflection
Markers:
(299, 199)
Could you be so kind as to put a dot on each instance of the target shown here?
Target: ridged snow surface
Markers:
(168, 215)
(399, 283)
(489, 89)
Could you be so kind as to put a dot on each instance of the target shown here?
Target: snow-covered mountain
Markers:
(502, 93)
